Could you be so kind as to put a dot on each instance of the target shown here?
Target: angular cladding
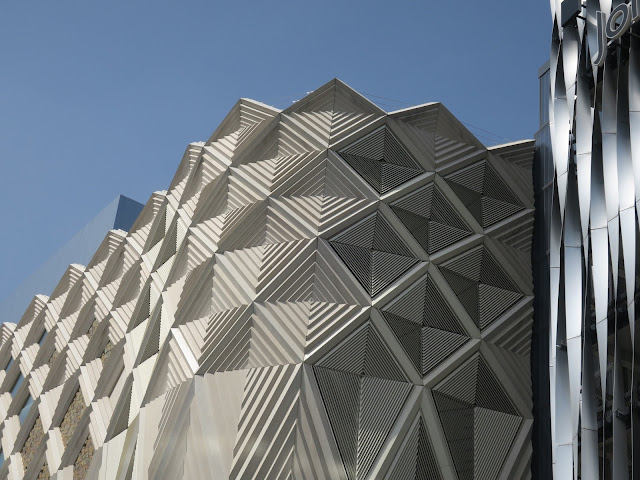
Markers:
(119, 214)
(328, 291)
(592, 233)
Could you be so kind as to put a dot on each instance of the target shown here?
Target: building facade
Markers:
(592, 220)
(543, 173)
(325, 292)
(118, 215)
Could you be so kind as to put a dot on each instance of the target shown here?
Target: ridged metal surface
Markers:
(592, 231)
(431, 219)
(119, 214)
(382, 160)
(310, 299)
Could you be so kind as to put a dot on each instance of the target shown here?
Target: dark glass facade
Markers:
(543, 188)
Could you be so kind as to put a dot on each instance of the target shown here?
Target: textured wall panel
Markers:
(592, 234)
(324, 292)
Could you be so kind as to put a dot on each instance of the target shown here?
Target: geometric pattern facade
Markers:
(593, 234)
(328, 291)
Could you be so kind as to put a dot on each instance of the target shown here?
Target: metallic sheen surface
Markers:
(592, 235)
(330, 291)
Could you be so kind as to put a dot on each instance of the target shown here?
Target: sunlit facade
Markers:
(330, 291)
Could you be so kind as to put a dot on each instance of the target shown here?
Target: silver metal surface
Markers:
(593, 238)
(324, 292)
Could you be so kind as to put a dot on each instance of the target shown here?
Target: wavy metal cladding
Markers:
(324, 292)
(594, 121)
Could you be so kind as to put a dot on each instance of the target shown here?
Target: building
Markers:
(543, 172)
(592, 233)
(329, 291)
(118, 215)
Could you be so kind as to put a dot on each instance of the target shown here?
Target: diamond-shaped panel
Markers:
(374, 252)
(484, 193)
(479, 420)
(481, 285)
(362, 411)
(425, 325)
(382, 160)
(234, 294)
(431, 218)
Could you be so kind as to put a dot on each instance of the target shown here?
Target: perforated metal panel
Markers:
(324, 292)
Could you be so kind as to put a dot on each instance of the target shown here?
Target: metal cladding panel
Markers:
(324, 292)
(119, 215)
(570, 9)
(592, 235)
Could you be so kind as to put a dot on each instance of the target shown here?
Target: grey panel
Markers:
(380, 405)
(431, 219)
(270, 316)
(482, 285)
(457, 420)
(437, 346)
(406, 466)
(494, 432)
(427, 468)
(382, 160)
(425, 325)
(364, 353)
(377, 256)
(474, 383)
(484, 193)
(341, 395)
(423, 303)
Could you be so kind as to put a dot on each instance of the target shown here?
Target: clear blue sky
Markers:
(101, 98)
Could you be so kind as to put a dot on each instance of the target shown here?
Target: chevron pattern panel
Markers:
(324, 292)
(593, 233)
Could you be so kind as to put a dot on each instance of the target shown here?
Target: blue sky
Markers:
(101, 98)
